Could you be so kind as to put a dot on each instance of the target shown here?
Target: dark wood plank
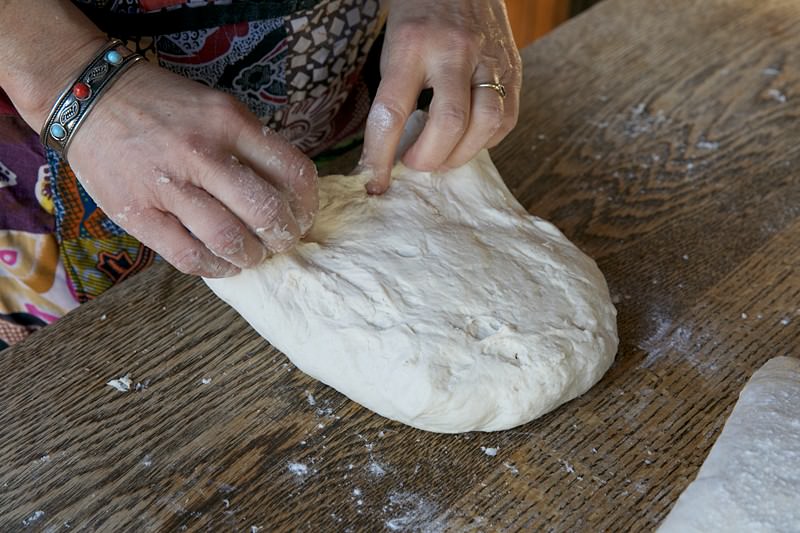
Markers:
(660, 136)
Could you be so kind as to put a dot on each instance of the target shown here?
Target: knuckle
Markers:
(191, 142)
(304, 171)
(228, 241)
(492, 111)
(513, 78)
(386, 114)
(412, 32)
(189, 261)
(127, 212)
(462, 39)
(230, 114)
(226, 105)
(516, 60)
(213, 167)
(453, 117)
(266, 211)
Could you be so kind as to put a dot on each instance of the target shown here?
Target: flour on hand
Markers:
(441, 304)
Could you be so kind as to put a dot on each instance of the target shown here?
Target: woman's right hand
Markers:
(192, 174)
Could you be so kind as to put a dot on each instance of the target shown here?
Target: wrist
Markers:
(35, 91)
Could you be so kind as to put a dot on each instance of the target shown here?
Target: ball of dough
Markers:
(442, 304)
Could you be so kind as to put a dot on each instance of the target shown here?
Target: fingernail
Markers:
(305, 223)
(222, 270)
(281, 238)
(375, 187)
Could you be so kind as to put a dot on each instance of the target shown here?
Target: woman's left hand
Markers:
(450, 46)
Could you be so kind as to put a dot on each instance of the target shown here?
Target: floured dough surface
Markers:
(441, 304)
(750, 481)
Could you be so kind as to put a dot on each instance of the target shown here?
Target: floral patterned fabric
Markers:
(297, 65)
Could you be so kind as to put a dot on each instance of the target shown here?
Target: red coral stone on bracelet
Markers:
(81, 91)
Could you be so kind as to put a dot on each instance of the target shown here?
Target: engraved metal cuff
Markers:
(74, 104)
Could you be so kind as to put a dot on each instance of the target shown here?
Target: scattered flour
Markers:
(298, 469)
(376, 469)
(410, 512)
(776, 95)
(640, 121)
(491, 452)
(32, 518)
(707, 145)
(122, 384)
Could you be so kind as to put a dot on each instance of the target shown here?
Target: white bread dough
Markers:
(750, 481)
(441, 304)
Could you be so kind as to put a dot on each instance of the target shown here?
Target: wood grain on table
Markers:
(662, 137)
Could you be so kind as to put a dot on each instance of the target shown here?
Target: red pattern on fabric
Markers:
(217, 44)
(156, 5)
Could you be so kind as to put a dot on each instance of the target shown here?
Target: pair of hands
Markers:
(192, 174)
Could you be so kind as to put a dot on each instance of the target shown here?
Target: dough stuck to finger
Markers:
(441, 304)
(282, 234)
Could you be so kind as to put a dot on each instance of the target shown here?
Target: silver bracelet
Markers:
(74, 104)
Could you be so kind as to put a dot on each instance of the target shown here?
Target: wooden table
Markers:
(662, 137)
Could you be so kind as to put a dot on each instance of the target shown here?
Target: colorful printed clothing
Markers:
(297, 64)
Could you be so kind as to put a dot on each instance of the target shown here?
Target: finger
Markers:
(211, 222)
(256, 202)
(448, 118)
(510, 116)
(284, 166)
(512, 83)
(486, 117)
(170, 239)
(395, 100)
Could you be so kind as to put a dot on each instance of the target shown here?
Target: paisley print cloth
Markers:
(297, 64)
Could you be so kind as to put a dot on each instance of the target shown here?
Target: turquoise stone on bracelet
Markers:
(57, 131)
(113, 57)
